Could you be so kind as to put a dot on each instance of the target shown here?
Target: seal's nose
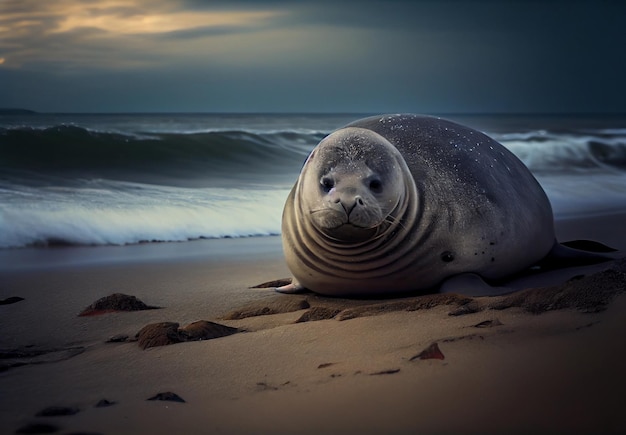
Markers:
(349, 202)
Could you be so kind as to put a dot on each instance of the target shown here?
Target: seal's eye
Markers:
(327, 184)
(376, 186)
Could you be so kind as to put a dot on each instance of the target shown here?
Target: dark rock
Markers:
(113, 303)
(11, 300)
(168, 396)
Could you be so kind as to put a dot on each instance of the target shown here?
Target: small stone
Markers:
(158, 334)
(103, 403)
(168, 396)
(115, 302)
(431, 352)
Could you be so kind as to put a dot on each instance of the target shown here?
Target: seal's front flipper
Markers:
(577, 253)
(292, 288)
(471, 284)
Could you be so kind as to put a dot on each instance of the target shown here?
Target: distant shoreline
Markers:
(12, 111)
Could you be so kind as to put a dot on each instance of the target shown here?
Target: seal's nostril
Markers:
(350, 205)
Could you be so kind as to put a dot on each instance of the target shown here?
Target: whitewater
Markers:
(135, 178)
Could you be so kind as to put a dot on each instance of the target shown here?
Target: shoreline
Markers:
(218, 249)
(556, 371)
(590, 226)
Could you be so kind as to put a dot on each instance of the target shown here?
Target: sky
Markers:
(438, 56)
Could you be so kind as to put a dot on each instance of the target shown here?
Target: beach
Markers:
(131, 246)
(363, 368)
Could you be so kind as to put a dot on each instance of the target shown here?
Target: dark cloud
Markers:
(368, 56)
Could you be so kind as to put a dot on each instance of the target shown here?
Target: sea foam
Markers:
(144, 214)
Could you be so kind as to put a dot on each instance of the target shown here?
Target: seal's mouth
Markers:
(350, 233)
(337, 226)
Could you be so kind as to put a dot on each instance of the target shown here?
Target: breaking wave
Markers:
(99, 185)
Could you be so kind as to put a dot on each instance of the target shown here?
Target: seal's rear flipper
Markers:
(577, 253)
(588, 245)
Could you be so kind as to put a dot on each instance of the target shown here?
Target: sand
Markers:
(538, 361)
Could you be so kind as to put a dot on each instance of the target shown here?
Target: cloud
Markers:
(140, 23)
(70, 34)
(446, 55)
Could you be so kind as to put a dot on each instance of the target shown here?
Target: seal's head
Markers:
(351, 183)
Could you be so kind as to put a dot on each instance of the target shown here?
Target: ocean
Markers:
(117, 179)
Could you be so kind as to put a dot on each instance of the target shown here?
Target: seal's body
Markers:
(400, 203)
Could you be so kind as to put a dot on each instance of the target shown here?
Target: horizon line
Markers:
(16, 110)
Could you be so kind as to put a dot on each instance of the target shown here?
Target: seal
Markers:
(403, 203)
